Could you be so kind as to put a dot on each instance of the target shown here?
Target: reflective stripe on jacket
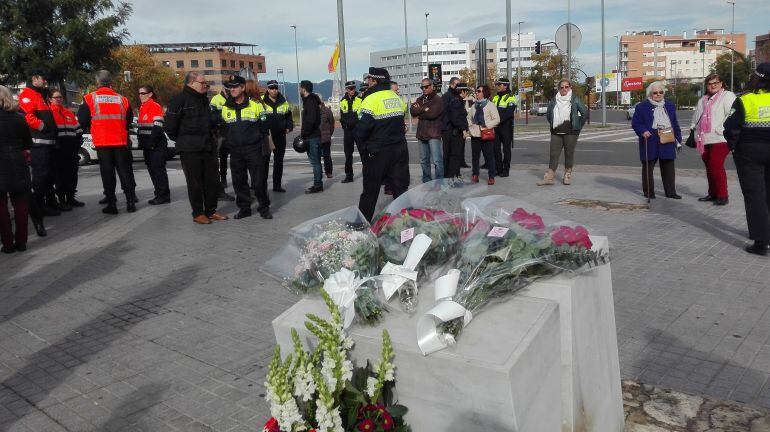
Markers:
(108, 117)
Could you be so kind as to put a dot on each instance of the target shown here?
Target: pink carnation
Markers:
(573, 237)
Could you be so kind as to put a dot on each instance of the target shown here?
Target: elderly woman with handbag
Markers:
(660, 136)
(707, 132)
(566, 114)
(482, 120)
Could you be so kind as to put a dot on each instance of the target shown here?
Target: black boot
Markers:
(131, 200)
(63, 205)
(103, 200)
(242, 213)
(758, 248)
(39, 228)
(111, 209)
(73, 202)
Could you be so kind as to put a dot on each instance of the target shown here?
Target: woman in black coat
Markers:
(15, 141)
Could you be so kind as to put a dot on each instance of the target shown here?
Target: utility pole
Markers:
(296, 56)
(341, 36)
(408, 70)
(427, 44)
(518, 69)
(732, 52)
(604, 88)
(618, 77)
(569, 38)
(508, 71)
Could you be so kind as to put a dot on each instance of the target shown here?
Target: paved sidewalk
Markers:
(146, 321)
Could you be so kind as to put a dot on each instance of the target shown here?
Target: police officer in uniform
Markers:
(247, 134)
(506, 104)
(381, 139)
(748, 134)
(280, 123)
(349, 106)
(223, 150)
(107, 115)
(152, 141)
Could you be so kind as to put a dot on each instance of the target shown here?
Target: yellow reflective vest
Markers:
(757, 109)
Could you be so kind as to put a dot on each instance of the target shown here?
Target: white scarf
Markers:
(563, 109)
(660, 116)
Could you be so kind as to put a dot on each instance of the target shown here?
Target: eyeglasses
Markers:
(57, 97)
(479, 91)
(657, 92)
(564, 87)
(426, 86)
(713, 83)
(143, 93)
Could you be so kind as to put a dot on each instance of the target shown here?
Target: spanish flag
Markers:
(335, 60)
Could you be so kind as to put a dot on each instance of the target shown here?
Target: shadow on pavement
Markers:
(50, 367)
(134, 406)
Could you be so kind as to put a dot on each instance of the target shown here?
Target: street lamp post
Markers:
(508, 71)
(341, 33)
(732, 42)
(569, 37)
(604, 87)
(618, 76)
(427, 44)
(408, 70)
(296, 57)
(518, 69)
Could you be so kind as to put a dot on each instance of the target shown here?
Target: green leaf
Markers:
(397, 410)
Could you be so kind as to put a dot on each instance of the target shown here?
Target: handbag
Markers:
(487, 134)
(691, 139)
(666, 135)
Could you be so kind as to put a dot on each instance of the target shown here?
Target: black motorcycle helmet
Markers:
(299, 145)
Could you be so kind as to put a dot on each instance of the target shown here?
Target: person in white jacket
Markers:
(710, 114)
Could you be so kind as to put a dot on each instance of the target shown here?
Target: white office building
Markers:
(454, 55)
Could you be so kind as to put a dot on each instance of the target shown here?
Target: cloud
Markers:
(372, 27)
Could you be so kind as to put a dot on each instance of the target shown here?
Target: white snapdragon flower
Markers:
(390, 373)
(304, 385)
(288, 415)
(347, 370)
(371, 386)
(328, 420)
(327, 372)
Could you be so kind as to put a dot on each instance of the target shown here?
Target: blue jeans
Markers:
(314, 156)
(431, 150)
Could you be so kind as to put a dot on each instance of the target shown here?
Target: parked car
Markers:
(87, 153)
(630, 112)
(539, 109)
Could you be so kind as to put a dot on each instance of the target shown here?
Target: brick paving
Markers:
(147, 322)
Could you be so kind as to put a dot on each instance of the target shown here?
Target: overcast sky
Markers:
(373, 26)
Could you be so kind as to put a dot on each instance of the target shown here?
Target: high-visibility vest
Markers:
(505, 101)
(757, 108)
(347, 107)
(383, 105)
(251, 113)
(108, 117)
(281, 109)
(217, 102)
(66, 123)
(150, 115)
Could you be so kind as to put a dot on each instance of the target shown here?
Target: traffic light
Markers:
(537, 47)
(702, 46)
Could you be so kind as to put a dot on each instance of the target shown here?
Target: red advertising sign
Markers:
(632, 83)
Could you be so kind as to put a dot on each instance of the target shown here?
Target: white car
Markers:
(539, 109)
(87, 153)
(630, 112)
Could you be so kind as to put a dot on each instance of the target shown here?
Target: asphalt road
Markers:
(615, 146)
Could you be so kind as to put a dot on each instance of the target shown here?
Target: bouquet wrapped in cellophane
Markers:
(507, 245)
(339, 251)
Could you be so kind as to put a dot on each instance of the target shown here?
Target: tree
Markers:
(468, 75)
(742, 70)
(144, 71)
(548, 70)
(68, 39)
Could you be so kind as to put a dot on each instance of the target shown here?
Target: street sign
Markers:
(605, 82)
(561, 37)
(527, 83)
(632, 83)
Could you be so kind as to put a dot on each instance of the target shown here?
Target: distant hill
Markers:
(322, 89)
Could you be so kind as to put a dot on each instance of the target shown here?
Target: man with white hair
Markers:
(107, 115)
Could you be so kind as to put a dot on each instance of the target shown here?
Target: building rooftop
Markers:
(199, 46)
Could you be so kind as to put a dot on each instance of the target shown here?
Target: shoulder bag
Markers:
(487, 134)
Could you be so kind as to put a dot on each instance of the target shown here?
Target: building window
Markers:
(251, 65)
(193, 63)
(232, 64)
(180, 64)
(166, 63)
(259, 66)
(209, 63)
(242, 65)
(224, 63)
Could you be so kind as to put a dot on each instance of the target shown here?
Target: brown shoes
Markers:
(201, 219)
(218, 217)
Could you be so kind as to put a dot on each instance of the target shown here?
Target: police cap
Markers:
(380, 74)
(763, 71)
(272, 84)
(350, 84)
(503, 81)
(235, 81)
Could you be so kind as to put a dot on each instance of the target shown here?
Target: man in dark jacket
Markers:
(188, 121)
(33, 102)
(446, 131)
(349, 106)
(280, 123)
(457, 121)
(381, 140)
(429, 109)
(311, 133)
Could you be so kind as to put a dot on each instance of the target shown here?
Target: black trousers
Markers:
(349, 145)
(667, 173)
(478, 146)
(112, 160)
(503, 146)
(155, 160)
(453, 153)
(390, 166)
(200, 172)
(752, 160)
(223, 151)
(66, 169)
(245, 162)
(42, 179)
(279, 139)
(326, 148)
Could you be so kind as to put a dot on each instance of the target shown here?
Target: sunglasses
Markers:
(657, 92)
(479, 91)
(143, 93)
(57, 97)
(564, 87)
(425, 87)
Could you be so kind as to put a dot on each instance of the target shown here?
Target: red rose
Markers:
(271, 426)
(563, 235)
(380, 224)
(531, 221)
(366, 426)
(582, 237)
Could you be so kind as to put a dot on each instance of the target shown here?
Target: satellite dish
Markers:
(561, 37)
